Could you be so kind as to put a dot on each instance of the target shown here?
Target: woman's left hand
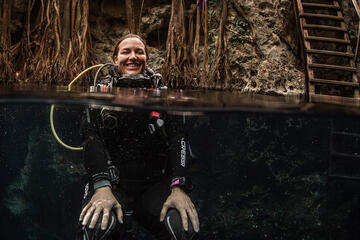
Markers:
(181, 201)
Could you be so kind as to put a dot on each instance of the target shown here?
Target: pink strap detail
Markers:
(176, 182)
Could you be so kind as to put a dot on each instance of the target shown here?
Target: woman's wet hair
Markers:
(131, 35)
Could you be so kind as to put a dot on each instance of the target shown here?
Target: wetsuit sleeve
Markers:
(180, 151)
(95, 155)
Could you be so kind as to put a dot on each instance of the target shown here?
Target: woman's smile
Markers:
(131, 58)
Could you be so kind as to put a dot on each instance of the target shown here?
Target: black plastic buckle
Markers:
(114, 173)
(152, 128)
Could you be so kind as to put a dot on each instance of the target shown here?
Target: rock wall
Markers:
(262, 41)
(263, 59)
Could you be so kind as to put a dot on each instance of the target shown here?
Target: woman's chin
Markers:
(132, 71)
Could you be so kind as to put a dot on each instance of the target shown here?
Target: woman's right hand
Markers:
(102, 201)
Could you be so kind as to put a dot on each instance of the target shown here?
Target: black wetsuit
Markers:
(145, 158)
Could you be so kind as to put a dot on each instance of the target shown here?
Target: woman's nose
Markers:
(132, 55)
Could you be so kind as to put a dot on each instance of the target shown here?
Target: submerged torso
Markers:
(138, 153)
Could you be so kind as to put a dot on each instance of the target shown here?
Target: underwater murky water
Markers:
(262, 171)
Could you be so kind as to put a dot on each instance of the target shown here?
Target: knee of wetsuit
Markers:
(174, 225)
(96, 233)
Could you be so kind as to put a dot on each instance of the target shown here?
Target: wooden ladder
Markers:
(330, 63)
(344, 154)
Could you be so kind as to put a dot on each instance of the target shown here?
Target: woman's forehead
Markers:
(131, 42)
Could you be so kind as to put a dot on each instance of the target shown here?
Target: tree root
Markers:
(54, 48)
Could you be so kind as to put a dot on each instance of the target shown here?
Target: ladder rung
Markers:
(333, 53)
(348, 155)
(325, 39)
(314, 15)
(346, 134)
(344, 101)
(334, 82)
(324, 27)
(320, 5)
(334, 67)
(345, 176)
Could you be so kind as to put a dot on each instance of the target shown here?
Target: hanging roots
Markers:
(55, 45)
(181, 67)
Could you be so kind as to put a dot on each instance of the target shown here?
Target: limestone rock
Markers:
(262, 41)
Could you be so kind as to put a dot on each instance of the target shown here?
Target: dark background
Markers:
(257, 175)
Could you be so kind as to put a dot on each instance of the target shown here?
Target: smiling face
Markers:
(131, 57)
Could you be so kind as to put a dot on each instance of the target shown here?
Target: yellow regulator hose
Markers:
(53, 107)
(82, 73)
(55, 134)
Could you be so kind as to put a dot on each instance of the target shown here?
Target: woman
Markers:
(142, 172)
